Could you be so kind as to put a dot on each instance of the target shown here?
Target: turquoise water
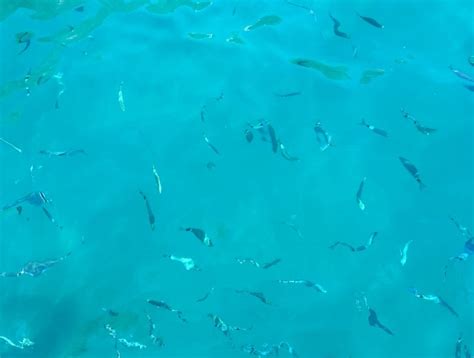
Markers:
(252, 202)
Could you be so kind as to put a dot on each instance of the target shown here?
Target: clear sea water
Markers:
(246, 201)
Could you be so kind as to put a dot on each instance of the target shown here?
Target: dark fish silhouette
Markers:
(24, 37)
(418, 125)
(248, 135)
(223, 327)
(79, 8)
(324, 138)
(289, 94)
(200, 235)
(371, 21)
(164, 305)
(374, 322)
(213, 147)
(413, 171)
(358, 248)
(378, 131)
(336, 26)
(36, 198)
(151, 216)
(461, 74)
(359, 195)
(35, 268)
(273, 138)
(256, 294)
(433, 298)
(66, 153)
(470, 87)
(205, 297)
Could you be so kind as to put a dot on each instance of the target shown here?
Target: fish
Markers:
(200, 35)
(374, 322)
(151, 216)
(470, 87)
(332, 72)
(258, 264)
(470, 60)
(24, 38)
(369, 243)
(269, 20)
(403, 253)
(235, 38)
(211, 145)
(79, 8)
(200, 235)
(14, 147)
(305, 283)
(165, 306)
(210, 165)
(372, 128)
(110, 312)
(458, 349)
(460, 74)
(424, 130)
(205, 297)
(284, 153)
(288, 94)
(371, 21)
(35, 268)
(36, 198)
(151, 333)
(417, 124)
(187, 262)
(223, 327)
(50, 217)
(203, 114)
(360, 203)
(433, 298)
(120, 97)
(273, 138)
(157, 179)
(259, 295)
(323, 137)
(413, 171)
(65, 153)
(336, 26)
(248, 135)
(462, 229)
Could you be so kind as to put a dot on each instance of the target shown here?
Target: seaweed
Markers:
(200, 35)
(269, 20)
(369, 75)
(331, 72)
(166, 6)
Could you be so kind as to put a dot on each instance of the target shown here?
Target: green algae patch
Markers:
(200, 35)
(369, 75)
(85, 28)
(331, 72)
(167, 6)
(80, 31)
(269, 20)
(42, 9)
(235, 38)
